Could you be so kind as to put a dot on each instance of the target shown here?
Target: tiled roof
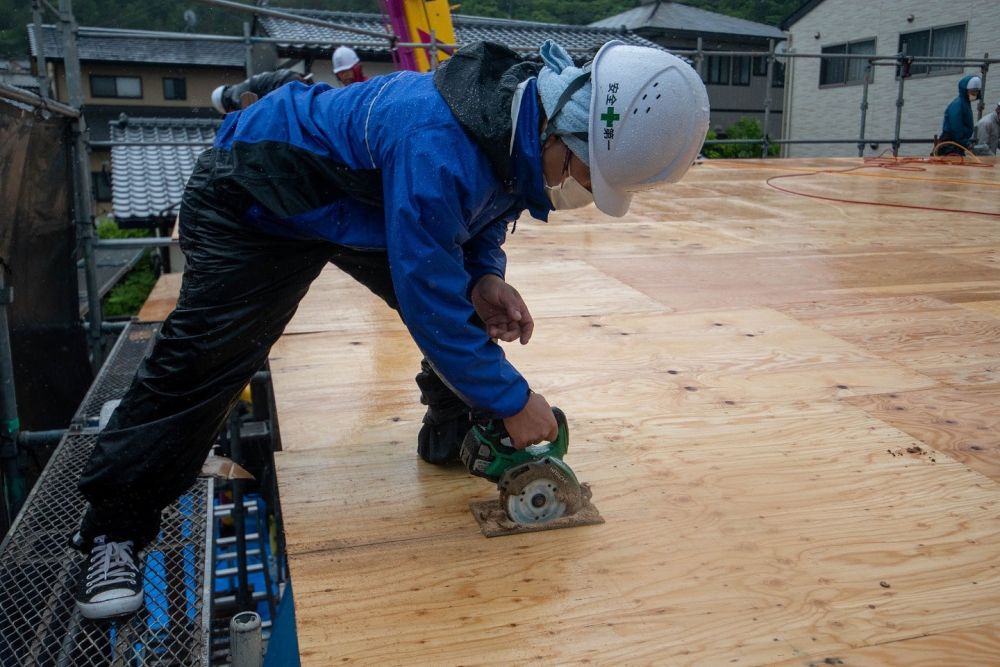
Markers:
(676, 16)
(102, 45)
(518, 35)
(148, 181)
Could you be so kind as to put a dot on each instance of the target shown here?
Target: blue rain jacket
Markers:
(958, 125)
(386, 165)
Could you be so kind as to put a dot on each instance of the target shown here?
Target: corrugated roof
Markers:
(99, 45)
(675, 16)
(519, 35)
(148, 181)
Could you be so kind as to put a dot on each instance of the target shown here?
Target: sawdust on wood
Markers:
(494, 522)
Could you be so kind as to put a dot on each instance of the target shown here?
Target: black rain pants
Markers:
(240, 289)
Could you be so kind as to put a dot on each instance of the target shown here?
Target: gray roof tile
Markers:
(94, 45)
(518, 35)
(148, 181)
(675, 16)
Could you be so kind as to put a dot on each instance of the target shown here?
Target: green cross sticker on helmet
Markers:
(648, 119)
(610, 117)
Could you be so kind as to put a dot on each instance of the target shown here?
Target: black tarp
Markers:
(38, 243)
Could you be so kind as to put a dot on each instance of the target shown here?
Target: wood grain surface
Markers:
(787, 409)
(163, 299)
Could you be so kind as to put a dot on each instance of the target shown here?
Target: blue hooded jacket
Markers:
(390, 164)
(958, 124)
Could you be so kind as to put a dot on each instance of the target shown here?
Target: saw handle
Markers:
(487, 451)
(497, 433)
(560, 445)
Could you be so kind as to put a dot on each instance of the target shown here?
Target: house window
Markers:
(116, 86)
(945, 42)
(717, 70)
(842, 71)
(101, 182)
(174, 88)
(778, 75)
(760, 65)
(741, 70)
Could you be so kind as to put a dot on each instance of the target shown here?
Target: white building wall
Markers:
(814, 113)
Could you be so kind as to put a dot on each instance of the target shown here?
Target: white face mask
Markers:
(569, 194)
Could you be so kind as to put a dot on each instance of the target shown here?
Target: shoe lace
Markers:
(111, 563)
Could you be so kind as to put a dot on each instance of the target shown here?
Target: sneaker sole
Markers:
(110, 608)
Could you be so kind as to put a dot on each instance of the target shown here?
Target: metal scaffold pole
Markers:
(899, 108)
(36, 25)
(82, 208)
(766, 140)
(864, 109)
(13, 484)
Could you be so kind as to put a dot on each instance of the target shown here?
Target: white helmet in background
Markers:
(217, 99)
(648, 120)
(344, 58)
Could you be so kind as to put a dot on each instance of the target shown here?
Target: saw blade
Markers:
(539, 492)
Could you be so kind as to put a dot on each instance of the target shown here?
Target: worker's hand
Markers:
(502, 309)
(533, 424)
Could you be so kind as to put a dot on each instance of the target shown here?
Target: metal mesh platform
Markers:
(39, 624)
(38, 621)
(116, 375)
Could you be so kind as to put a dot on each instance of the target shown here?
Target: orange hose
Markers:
(894, 163)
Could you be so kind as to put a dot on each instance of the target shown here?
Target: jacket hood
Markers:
(478, 84)
(963, 85)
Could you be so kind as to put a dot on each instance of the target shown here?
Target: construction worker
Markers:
(347, 66)
(414, 203)
(227, 98)
(988, 133)
(958, 124)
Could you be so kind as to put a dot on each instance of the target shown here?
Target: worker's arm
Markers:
(429, 195)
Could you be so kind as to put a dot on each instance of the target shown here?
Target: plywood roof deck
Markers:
(788, 409)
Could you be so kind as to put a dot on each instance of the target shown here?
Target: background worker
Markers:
(958, 123)
(988, 133)
(227, 98)
(347, 66)
(414, 203)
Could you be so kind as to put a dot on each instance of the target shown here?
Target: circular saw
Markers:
(536, 486)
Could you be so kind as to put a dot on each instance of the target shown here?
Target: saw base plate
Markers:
(494, 522)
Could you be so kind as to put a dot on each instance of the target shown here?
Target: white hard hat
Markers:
(217, 99)
(648, 120)
(975, 83)
(344, 58)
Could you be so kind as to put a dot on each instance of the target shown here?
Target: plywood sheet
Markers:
(955, 345)
(336, 302)
(162, 299)
(963, 422)
(726, 280)
(672, 361)
(785, 407)
(730, 534)
(977, 647)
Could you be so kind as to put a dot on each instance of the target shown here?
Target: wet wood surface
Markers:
(163, 299)
(786, 408)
